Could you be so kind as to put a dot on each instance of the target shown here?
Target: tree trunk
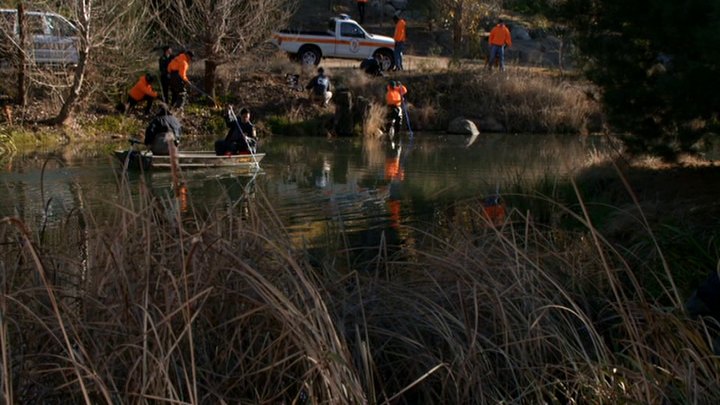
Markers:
(210, 76)
(22, 61)
(561, 52)
(64, 117)
(458, 29)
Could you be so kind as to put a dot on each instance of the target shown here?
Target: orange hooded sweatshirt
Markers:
(500, 35)
(400, 31)
(180, 64)
(394, 95)
(141, 89)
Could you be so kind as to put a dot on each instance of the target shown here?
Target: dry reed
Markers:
(215, 305)
(374, 121)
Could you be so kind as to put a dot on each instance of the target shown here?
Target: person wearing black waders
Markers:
(164, 127)
(163, 63)
(394, 99)
(241, 137)
(177, 68)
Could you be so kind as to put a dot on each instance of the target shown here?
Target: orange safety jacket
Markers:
(400, 31)
(180, 64)
(500, 35)
(141, 89)
(394, 95)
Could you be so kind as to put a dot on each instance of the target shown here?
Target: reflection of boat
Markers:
(187, 159)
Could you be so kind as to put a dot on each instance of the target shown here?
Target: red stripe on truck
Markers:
(326, 41)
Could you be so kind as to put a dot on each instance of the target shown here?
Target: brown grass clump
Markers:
(520, 100)
(374, 121)
(424, 116)
(167, 306)
(155, 300)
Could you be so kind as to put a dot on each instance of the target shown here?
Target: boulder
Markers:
(520, 33)
(462, 126)
(388, 8)
(397, 4)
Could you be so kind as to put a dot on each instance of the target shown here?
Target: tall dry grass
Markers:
(374, 119)
(197, 307)
(519, 100)
(214, 305)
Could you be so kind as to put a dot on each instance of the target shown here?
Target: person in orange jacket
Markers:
(361, 9)
(499, 38)
(142, 91)
(177, 68)
(400, 37)
(394, 99)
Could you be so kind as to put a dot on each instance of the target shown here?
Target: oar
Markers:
(247, 142)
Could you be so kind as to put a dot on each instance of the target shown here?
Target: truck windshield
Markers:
(59, 27)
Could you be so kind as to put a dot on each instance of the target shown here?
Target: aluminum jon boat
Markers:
(187, 159)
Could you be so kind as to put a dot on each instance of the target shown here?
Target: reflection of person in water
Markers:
(395, 173)
(494, 210)
(182, 196)
(323, 180)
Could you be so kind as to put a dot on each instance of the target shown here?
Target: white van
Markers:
(54, 38)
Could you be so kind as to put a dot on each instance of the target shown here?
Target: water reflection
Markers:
(341, 193)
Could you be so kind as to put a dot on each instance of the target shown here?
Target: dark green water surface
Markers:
(312, 184)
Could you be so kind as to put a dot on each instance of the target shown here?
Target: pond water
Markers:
(314, 184)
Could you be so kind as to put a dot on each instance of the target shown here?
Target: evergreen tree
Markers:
(658, 64)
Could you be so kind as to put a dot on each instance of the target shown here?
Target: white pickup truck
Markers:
(345, 38)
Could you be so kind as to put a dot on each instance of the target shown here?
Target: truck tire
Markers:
(309, 55)
(386, 59)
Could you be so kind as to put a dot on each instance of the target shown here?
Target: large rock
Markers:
(388, 8)
(397, 4)
(520, 33)
(462, 126)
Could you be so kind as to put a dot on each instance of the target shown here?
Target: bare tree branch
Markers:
(221, 30)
